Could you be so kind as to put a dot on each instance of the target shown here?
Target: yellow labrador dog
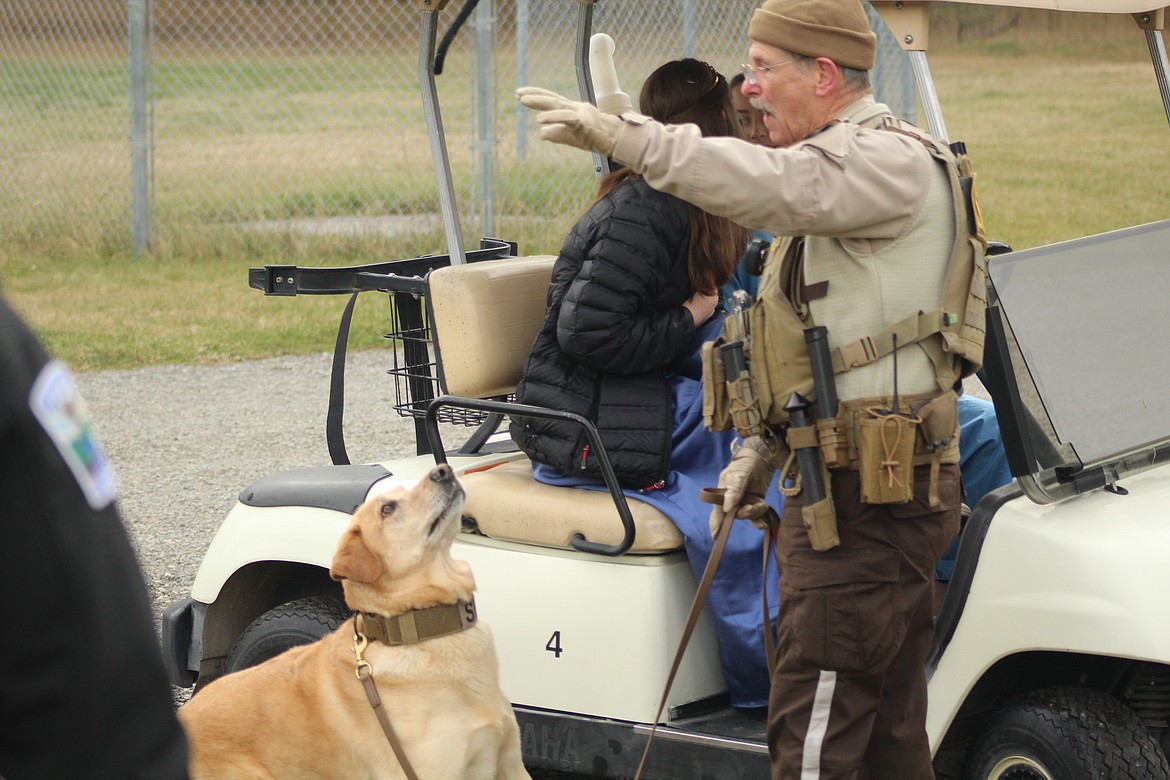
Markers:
(305, 713)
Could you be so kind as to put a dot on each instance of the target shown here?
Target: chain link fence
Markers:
(64, 158)
(296, 126)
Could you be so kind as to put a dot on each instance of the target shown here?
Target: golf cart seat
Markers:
(485, 318)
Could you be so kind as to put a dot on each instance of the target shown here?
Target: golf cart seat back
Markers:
(485, 318)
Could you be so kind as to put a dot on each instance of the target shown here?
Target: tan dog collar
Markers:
(417, 625)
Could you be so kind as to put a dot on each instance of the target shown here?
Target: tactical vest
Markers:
(771, 359)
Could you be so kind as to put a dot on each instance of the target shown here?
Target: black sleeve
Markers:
(83, 689)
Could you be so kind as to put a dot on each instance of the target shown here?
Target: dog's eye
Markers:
(389, 508)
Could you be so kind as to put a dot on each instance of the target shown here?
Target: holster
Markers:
(820, 519)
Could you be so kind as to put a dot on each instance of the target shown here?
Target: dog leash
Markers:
(711, 496)
(769, 521)
(365, 674)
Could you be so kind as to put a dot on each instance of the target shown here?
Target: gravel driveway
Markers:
(185, 440)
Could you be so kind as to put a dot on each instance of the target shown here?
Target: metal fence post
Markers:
(485, 99)
(689, 28)
(521, 75)
(140, 145)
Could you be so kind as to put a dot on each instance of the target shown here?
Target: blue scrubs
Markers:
(982, 461)
(734, 601)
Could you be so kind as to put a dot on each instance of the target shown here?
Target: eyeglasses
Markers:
(749, 71)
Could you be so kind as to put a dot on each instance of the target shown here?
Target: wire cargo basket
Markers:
(415, 369)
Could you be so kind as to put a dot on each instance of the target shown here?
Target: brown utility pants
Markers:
(848, 696)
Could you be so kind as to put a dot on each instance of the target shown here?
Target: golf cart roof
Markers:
(1083, 6)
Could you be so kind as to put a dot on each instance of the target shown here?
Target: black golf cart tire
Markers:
(1065, 734)
(298, 622)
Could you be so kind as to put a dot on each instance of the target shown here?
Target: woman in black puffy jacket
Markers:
(636, 277)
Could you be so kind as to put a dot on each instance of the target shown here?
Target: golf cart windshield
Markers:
(1083, 324)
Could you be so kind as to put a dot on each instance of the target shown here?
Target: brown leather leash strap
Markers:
(770, 523)
(711, 496)
(365, 674)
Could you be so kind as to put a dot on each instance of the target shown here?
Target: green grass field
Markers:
(1066, 143)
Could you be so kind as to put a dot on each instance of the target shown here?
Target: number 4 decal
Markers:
(554, 644)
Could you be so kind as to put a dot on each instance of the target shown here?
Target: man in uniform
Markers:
(877, 214)
(83, 691)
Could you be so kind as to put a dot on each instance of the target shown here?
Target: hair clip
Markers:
(717, 75)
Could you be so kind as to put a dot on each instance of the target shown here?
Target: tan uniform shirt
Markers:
(870, 192)
(844, 181)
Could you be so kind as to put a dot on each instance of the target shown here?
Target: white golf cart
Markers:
(1051, 658)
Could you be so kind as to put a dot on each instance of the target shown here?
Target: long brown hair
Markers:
(691, 91)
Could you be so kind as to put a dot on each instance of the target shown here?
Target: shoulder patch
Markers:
(58, 406)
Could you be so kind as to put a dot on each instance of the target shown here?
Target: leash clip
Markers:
(360, 643)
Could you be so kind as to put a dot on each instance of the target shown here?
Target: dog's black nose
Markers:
(442, 473)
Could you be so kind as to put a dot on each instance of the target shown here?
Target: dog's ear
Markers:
(353, 559)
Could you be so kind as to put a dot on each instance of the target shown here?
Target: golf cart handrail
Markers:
(405, 282)
(512, 409)
(391, 276)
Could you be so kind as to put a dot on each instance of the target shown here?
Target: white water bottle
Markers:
(606, 91)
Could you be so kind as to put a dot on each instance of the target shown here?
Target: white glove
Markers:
(745, 480)
(571, 122)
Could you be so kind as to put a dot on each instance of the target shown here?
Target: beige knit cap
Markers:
(837, 29)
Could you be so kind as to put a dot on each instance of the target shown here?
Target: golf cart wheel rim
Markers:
(1018, 768)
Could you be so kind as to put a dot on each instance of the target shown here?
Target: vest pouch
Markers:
(743, 406)
(779, 355)
(728, 403)
(833, 439)
(820, 522)
(940, 421)
(886, 457)
(965, 301)
(715, 401)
